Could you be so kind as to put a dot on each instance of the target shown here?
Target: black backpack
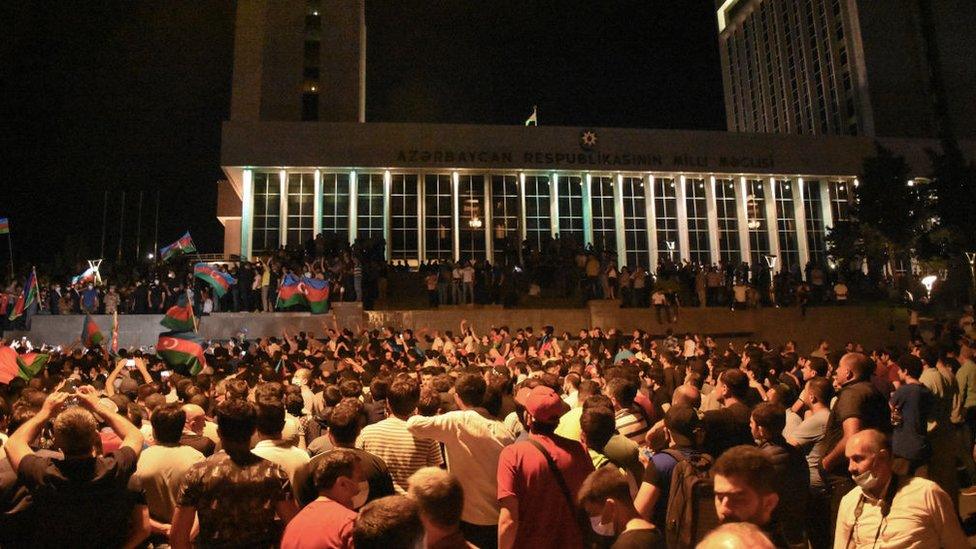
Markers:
(691, 502)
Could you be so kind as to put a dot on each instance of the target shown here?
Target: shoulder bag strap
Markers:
(563, 487)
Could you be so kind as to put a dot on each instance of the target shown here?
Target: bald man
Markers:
(736, 535)
(196, 420)
(886, 510)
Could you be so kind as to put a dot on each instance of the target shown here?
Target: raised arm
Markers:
(130, 434)
(18, 445)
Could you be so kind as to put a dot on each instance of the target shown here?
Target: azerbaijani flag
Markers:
(181, 349)
(27, 298)
(182, 246)
(179, 317)
(23, 366)
(85, 277)
(91, 335)
(317, 294)
(4, 225)
(290, 292)
(115, 332)
(220, 281)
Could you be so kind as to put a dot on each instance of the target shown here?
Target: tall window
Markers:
(267, 212)
(699, 250)
(335, 205)
(840, 200)
(405, 243)
(537, 220)
(438, 216)
(666, 218)
(369, 197)
(728, 222)
(571, 209)
(815, 224)
(757, 222)
(786, 225)
(471, 197)
(301, 197)
(635, 222)
(604, 223)
(505, 216)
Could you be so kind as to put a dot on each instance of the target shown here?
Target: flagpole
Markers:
(121, 227)
(139, 229)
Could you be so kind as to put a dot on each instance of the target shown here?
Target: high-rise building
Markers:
(300, 61)
(891, 68)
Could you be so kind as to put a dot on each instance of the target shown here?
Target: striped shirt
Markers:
(631, 424)
(402, 452)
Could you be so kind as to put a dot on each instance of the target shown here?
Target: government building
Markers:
(300, 160)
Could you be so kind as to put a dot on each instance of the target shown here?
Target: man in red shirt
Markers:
(538, 499)
(327, 522)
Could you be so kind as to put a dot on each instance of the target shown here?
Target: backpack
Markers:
(691, 502)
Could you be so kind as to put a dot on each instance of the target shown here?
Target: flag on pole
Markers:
(317, 294)
(91, 335)
(179, 317)
(27, 298)
(88, 276)
(115, 332)
(4, 225)
(182, 246)
(290, 292)
(219, 281)
(533, 119)
(23, 366)
(182, 349)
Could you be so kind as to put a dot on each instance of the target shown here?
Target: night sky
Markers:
(129, 96)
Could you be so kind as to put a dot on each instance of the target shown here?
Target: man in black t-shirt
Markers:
(728, 426)
(84, 495)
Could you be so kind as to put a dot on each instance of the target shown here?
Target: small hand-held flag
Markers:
(115, 332)
(533, 119)
(182, 246)
(220, 282)
(27, 298)
(182, 349)
(91, 335)
(179, 317)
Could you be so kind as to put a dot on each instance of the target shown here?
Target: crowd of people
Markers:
(510, 438)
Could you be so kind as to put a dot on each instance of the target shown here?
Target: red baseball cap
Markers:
(542, 403)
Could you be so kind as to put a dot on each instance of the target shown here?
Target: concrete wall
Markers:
(871, 326)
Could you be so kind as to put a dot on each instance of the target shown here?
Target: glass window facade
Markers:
(369, 206)
(666, 218)
(438, 217)
(840, 200)
(604, 222)
(404, 218)
(537, 219)
(635, 222)
(471, 197)
(729, 248)
(265, 236)
(571, 208)
(814, 219)
(505, 226)
(335, 205)
(756, 221)
(789, 255)
(696, 205)
(301, 203)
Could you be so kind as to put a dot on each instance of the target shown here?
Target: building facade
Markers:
(897, 68)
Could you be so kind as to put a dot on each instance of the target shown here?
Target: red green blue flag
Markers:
(179, 317)
(4, 225)
(317, 293)
(220, 281)
(27, 298)
(91, 335)
(182, 246)
(182, 349)
(24, 366)
(290, 293)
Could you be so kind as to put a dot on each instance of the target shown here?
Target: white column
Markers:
(353, 206)
(387, 221)
(317, 204)
(712, 209)
(825, 206)
(553, 204)
(521, 192)
(742, 218)
(487, 218)
(587, 211)
(770, 195)
(802, 246)
(650, 212)
(455, 186)
(283, 207)
(682, 220)
(247, 214)
(421, 217)
(618, 218)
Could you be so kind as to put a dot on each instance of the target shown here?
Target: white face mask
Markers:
(360, 498)
(866, 480)
(601, 529)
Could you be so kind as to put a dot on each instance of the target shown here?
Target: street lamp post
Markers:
(971, 257)
(771, 263)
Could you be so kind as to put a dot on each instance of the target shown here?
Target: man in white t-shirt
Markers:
(467, 283)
